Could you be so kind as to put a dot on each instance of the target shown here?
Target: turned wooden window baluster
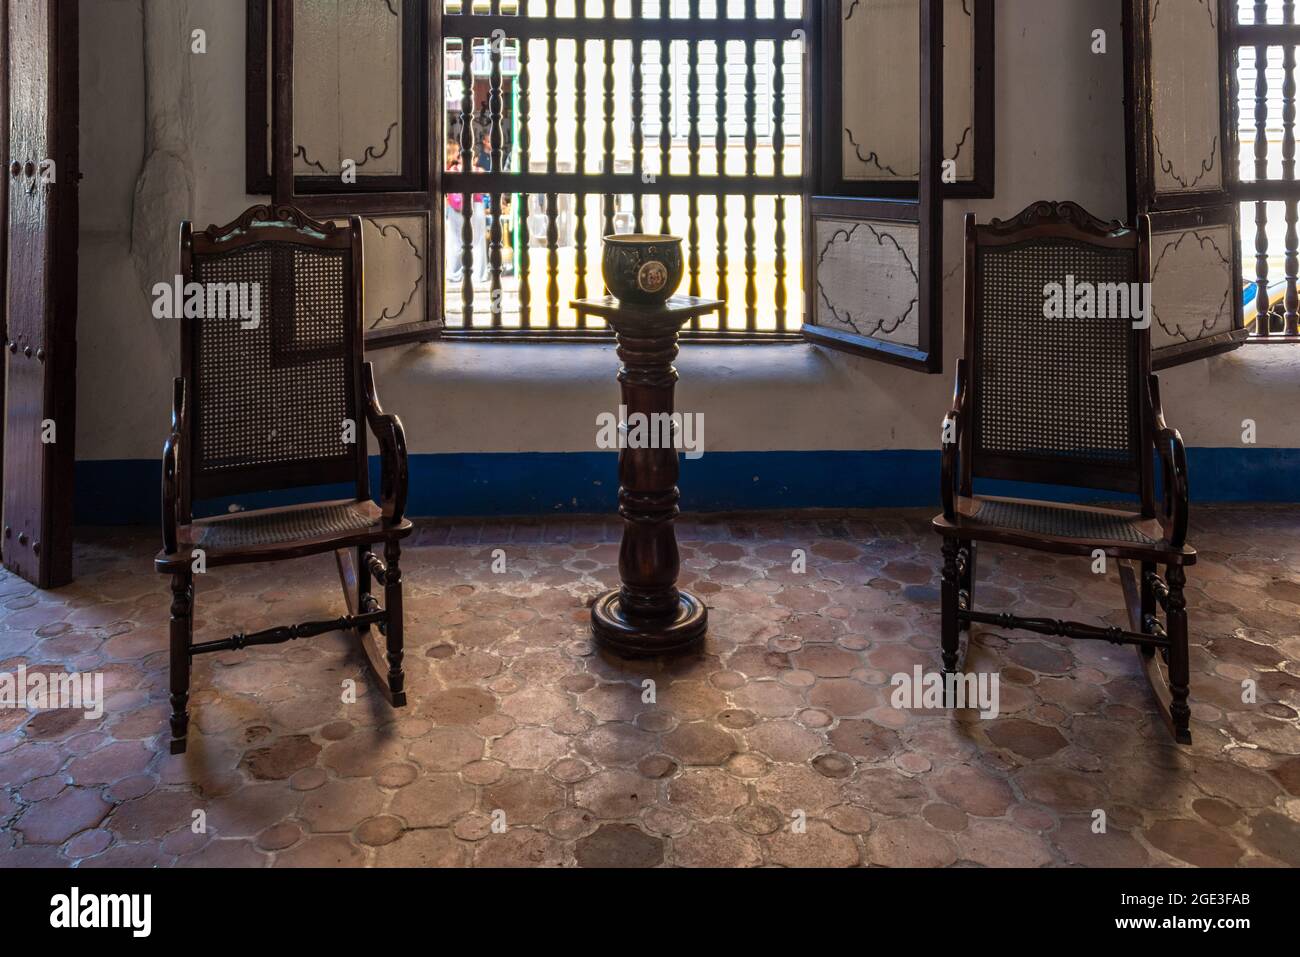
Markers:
(494, 197)
(1291, 261)
(580, 168)
(522, 253)
(552, 200)
(778, 160)
(1261, 174)
(467, 166)
(665, 120)
(724, 10)
(693, 154)
(607, 164)
(751, 169)
(638, 117)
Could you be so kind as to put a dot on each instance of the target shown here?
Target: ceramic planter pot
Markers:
(642, 269)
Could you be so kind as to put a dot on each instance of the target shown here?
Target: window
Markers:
(578, 120)
(581, 118)
(1266, 41)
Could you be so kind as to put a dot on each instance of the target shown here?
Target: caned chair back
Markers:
(1058, 350)
(273, 364)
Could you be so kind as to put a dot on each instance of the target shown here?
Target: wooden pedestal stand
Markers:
(649, 615)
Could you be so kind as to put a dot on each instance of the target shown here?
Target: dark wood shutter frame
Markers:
(417, 198)
(977, 141)
(892, 246)
(1189, 192)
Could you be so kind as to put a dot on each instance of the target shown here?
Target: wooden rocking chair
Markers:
(1065, 401)
(271, 398)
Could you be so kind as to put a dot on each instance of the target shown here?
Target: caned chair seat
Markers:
(274, 527)
(1052, 526)
(276, 533)
(1044, 518)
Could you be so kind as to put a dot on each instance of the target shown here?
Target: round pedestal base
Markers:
(636, 639)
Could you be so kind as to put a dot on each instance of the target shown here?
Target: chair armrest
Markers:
(953, 424)
(1173, 458)
(172, 468)
(392, 447)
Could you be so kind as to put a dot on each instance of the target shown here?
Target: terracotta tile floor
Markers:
(784, 719)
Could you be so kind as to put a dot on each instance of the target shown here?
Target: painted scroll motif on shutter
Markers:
(881, 77)
(1186, 140)
(1192, 285)
(867, 279)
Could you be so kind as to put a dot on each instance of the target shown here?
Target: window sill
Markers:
(604, 337)
(1258, 355)
(562, 366)
(510, 397)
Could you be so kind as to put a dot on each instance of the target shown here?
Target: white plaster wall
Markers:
(1059, 136)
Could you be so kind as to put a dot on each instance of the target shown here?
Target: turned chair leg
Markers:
(1179, 662)
(393, 629)
(966, 566)
(363, 584)
(950, 623)
(1148, 600)
(182, 632)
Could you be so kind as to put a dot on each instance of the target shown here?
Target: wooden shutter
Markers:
(1179, 65)
(874, 262)
(40, 333)
(361, 72)
(871, 148)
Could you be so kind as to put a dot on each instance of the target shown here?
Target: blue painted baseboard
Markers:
(125, 491)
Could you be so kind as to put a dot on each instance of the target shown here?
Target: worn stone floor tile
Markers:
(779, 744)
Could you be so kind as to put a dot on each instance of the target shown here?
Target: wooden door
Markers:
(40, 406)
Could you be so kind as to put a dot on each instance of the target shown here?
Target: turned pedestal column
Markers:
(648, 615)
